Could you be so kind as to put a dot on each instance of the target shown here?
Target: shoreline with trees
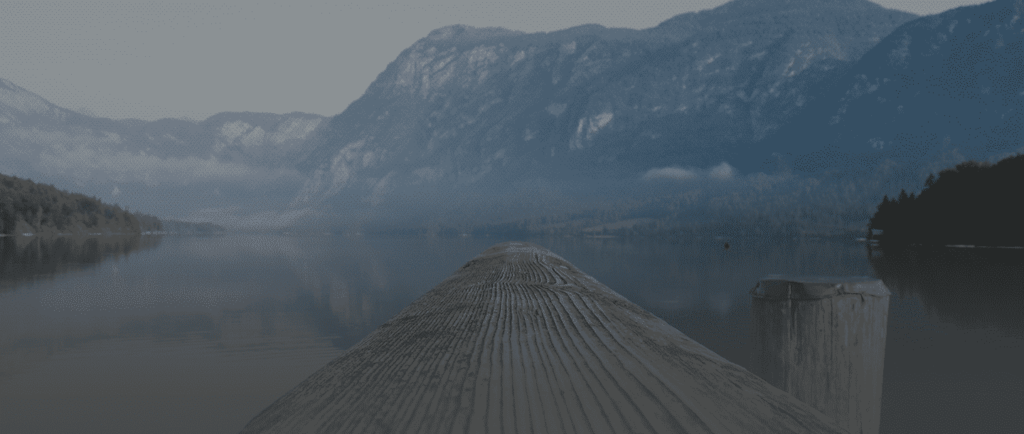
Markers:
(27, 207)
(976, 204)
(30, 208)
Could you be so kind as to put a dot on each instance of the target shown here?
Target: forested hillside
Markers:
(973, 203)
(28, 207)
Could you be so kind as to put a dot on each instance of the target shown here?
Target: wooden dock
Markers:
(518, 340)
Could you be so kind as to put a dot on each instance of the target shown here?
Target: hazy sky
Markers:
(151, 60)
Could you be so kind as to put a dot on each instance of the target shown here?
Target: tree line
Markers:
(974, 203)
(26, 206)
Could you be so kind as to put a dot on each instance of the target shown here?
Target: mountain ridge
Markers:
(472, 125)
(497, 110)
(939, 89)
(177, 168)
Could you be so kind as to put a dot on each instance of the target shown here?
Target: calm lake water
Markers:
(198, 334)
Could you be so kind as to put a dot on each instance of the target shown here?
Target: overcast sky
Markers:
(151, 60)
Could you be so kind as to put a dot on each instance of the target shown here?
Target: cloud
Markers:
(720, 172)
(86, 158)
(60, 139)
(86, 163)
(677, 173)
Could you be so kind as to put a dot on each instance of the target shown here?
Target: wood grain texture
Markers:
(822, 339)
(518, 340)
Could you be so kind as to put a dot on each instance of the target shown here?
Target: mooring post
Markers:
(822, 339)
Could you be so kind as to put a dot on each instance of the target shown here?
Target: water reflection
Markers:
(234, 318)
(700, 287)
(152, 340)
(28, 258)
(954, 351)
(972, 288)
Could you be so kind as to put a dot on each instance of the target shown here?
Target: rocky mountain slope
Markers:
(476, 125)
(937, 90)
(498, 120)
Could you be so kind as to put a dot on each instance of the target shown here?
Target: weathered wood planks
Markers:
(519, 340)
(822, 339)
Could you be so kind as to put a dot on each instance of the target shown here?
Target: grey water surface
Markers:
(198, 334)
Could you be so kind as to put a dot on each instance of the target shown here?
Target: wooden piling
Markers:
(519, 340)
(822, 339)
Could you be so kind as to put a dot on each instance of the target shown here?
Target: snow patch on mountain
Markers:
(588, 128)
(556, 109)
(381, 188)
(568, 48)
(295, 129)
(253, 138)
(27, 103)
(520, 55)
(428, 174)
(232, 130)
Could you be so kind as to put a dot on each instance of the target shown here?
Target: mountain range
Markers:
(475, 125)
(495, 123)
(230, 165)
